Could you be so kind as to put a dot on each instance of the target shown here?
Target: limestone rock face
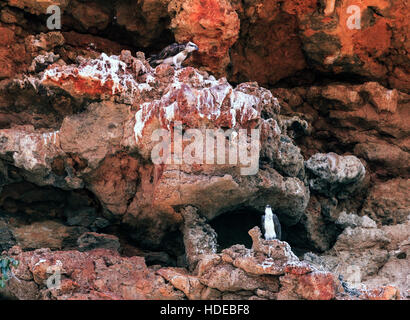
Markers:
(211, 24)
(94, 275)
(388, 202)
(267, 271)
(367, 255)
(331, 172)
(303, 105)
(108, 147)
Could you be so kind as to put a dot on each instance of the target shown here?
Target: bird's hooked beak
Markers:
(192, 47)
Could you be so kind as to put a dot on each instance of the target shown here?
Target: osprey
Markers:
(271, 225)
(174, 54)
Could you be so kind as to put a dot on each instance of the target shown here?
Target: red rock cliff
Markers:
(324, 83)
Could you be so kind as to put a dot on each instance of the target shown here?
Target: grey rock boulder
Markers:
(334, 175)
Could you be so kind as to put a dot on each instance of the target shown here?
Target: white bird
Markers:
(271, 225)
(173, 54)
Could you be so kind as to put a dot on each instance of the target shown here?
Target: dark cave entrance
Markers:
(26, 208)
(232, 227)
(137, 241)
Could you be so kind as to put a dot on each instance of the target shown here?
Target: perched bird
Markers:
(271, 225)
(174, 54)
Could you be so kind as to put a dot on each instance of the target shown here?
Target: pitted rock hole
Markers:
(34, 217)
(232, 227)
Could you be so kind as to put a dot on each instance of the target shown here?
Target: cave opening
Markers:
(35, 217)
(232, 227)
(136, 240)
(6, 296)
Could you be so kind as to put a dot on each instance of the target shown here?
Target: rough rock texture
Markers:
(332, 44)
(331, 172)
(268, 33)
(46, 234)
(212, 24)
(7, 239)
(78, 107)
(199, 237)
(107, 148)
(368, 120)
(240, 38)
(93, 240)
(267, 271)
(94, 275)
(364, 254)
(389, 202)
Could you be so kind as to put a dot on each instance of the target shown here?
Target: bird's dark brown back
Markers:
(171, 50)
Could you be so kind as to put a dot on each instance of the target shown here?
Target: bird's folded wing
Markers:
(171, 50)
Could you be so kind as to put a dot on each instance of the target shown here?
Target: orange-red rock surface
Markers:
(268, 271)
(78, 107)
(259, 40)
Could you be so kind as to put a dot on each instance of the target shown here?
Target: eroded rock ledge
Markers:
(79, 135)
(106, 148)
(269, 270)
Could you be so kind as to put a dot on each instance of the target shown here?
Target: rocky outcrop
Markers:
(388, 202)
(199, 238)
(46, 234)
(212, 24)
(331, 173)
(238, 38)
(92, 240)
(7, 239)
(344, 39)
(109, 143)
(267, 271)
(268, 33)
(100, 154)
(367, 120)
(93, 275)
(367, 255)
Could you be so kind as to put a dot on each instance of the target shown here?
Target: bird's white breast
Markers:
(177, 59)
(269, 225)
(269, 228)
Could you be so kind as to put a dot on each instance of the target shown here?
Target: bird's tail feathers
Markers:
(153, 61)
(151, 57)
